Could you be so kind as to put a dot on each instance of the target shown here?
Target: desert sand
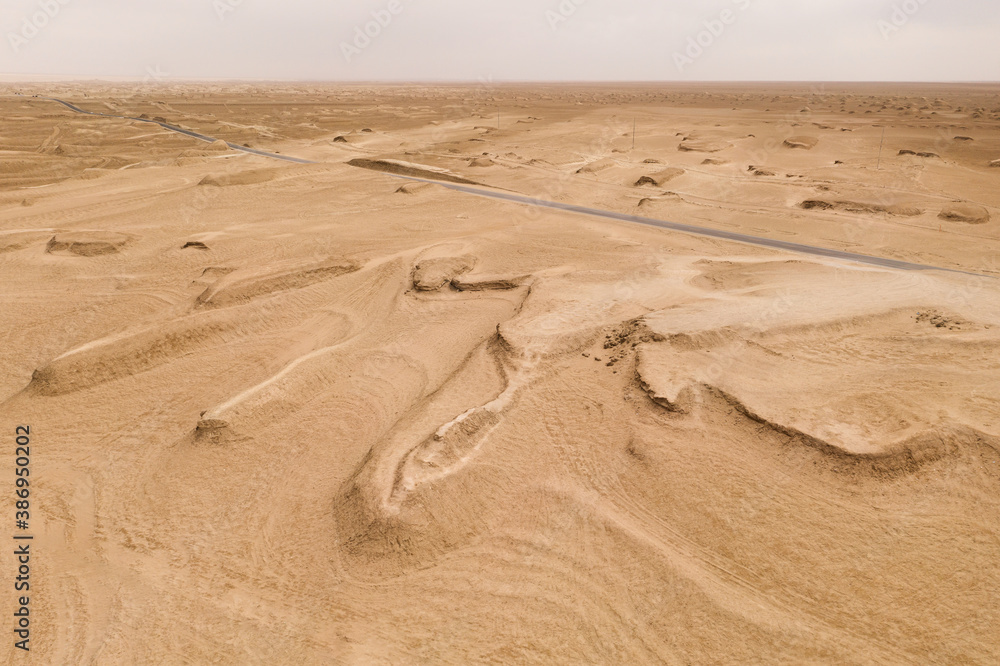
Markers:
(321, 414)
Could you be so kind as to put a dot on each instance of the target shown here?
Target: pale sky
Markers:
(505, 40)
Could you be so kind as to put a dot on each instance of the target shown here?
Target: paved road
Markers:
(181, 130)
(759, 241)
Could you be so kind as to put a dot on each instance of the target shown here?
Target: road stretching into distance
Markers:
(759, 241)
(180, 130)
(700, 231)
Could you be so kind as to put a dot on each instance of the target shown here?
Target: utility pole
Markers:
(878, 166)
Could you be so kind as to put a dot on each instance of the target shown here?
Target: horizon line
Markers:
(67, 78)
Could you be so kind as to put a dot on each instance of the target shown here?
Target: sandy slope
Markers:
(312, 414)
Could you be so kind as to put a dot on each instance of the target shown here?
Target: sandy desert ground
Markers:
(316, 413)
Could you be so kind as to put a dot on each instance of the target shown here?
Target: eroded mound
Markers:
(119, 356)
(703, 146)
(659, 178)
(246, 284)
(413, 188)
(968, 213)
(918, 154)
(597, 167)
(893, 425)
(904, 456)
(434, 274)
(734, 275)
(860, 207)
(666, 196)
(660, 380)
(241, 178)
(18, 241)
(407, 169)
(88, 243)
(488, 282)
(801, 142)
